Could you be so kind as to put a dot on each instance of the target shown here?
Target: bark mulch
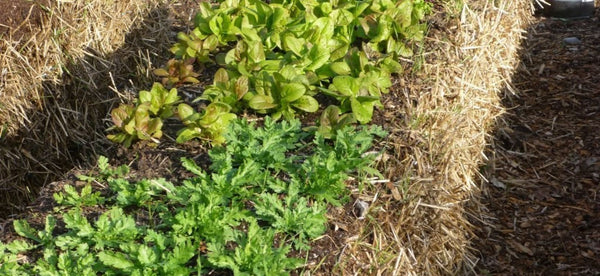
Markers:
(543, 199)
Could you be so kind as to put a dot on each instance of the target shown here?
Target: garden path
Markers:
(543, 196)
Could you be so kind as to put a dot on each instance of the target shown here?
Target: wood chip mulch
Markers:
(542, 199)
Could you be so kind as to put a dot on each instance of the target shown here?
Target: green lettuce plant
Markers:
(161, 101)
(210, 124)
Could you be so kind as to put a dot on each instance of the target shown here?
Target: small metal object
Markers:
(572, 41)
(569, 9)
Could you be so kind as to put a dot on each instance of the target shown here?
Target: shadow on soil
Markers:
(542, 207)
(69, 131)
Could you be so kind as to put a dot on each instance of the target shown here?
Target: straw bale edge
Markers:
(442, 140)
(58, 83)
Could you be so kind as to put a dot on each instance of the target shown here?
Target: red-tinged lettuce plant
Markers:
(331, 121)
(134, 123)
(177, 72)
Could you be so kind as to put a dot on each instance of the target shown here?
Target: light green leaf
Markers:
(146, 255)
(269, 65)
(291, 43)
(306, 103)
(171, 97)
(345, 85)
(318, 56)
(362, 111)
(261, 102)
(391, 66)
(145, 96)
(404, 51)
(215, 25)
(121, 114)
(322, 29)
(250, 34)
(404, 14)
(184, 111)
(241, 87)
(211, 43)
(221, 78)
(256, 52)
(291, 92)
(191, 166)
(23, 229)
(17, 246)
(116, 260)
(187, 134)
(341, 68)
(358, 10)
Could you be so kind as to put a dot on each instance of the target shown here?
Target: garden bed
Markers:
(438, 115)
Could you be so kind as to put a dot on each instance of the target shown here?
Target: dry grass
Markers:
(57, 85)
(439, 143)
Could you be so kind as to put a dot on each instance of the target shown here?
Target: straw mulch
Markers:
(59, 70)
(541, 207)
(420, 225)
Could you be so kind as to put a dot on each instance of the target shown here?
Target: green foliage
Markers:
(274, 57)
(286, 51)
(9, 258)
(266, 193)
(105, 171)
(71, 197)
(143, 121)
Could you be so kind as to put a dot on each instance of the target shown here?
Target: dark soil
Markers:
(19, 17)
(544, 200)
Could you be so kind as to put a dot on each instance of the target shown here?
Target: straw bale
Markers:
(58, 83)
(451, 106)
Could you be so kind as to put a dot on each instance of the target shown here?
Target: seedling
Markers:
(331, 122)
(134, 123)
(177, 72)
(160, 100)
(211, 124)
